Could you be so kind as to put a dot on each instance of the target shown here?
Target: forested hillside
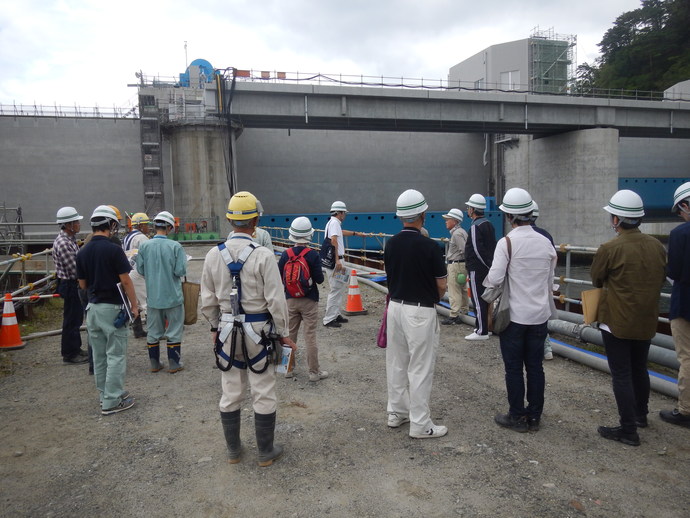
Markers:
(646, 49)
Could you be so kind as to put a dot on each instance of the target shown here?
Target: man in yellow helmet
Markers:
(243, 299)
(133, 240)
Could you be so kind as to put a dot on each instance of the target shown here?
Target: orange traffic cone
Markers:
(354, 299)
(9, 332)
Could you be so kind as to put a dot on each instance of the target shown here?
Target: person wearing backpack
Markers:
(300, 269)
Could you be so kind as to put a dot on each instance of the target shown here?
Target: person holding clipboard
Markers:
(101, 265)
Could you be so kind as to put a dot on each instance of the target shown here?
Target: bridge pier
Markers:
(571, 176)
(199, 165)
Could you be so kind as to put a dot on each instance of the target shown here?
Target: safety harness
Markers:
(238, 323)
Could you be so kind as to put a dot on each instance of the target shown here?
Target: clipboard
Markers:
(125, 302)
(590, 304)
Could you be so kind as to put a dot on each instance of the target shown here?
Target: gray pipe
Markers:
(660, 340)
(660, 385)
(589, 334)
(581, 332)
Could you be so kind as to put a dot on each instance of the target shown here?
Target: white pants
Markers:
(335, 296)
(140, 290)
(457, 293)
(234, 382)
(413, 337)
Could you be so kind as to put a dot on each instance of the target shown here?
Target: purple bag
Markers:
(381, 339)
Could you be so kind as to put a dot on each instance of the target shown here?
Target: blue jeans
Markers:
(72, 318)
(523, 346)
(628, 363)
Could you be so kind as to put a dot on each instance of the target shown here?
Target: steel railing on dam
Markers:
(412, 83)
(62, 111)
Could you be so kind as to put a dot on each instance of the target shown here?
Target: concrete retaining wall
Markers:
(46, 163)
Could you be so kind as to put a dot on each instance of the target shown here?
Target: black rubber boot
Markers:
(231, 429)
(138, 328)
(265, 425)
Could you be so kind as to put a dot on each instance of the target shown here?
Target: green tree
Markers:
(646, 49)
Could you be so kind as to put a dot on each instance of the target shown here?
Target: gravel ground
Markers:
(167, 457)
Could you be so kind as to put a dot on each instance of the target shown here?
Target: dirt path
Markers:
(166, 456)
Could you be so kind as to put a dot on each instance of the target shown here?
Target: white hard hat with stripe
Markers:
(67, 214)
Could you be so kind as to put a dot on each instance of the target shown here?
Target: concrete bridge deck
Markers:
(270, 105)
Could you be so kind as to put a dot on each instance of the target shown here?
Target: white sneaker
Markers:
(432, 433)
(395, 420)
(475, 336)
(548, 356)
(317, 376)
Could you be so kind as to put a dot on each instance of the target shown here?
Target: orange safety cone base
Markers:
(350, 313)
(354, 299)
(9, 332)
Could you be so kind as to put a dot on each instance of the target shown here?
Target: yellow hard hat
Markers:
(117, 212)
(140, 218)
(242, 206)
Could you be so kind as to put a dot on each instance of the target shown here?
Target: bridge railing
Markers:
(400, 82)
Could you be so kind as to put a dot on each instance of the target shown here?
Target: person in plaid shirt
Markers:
(65, 250)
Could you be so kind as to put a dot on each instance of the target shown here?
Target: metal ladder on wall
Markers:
(151, 155)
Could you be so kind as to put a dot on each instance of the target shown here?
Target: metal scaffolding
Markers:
(151, 154)
(552, 61)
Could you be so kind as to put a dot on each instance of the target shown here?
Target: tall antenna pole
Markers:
(186, 64)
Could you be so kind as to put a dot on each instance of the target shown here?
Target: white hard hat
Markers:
(535, 210)
(476, 201)
(626, 204)
(301, 230)
(103, 214)
(454, 214)
(67, 214)
(517, 201)
(682, 193)
(410, 203)
(164, 217)
(338, 206)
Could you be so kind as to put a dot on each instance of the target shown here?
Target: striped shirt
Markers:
(65, 250)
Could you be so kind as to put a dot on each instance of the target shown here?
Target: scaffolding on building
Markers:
(552, 61)
(11, 229)
(151, 154)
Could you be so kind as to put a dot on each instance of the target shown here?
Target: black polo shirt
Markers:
(413, 263)
(100, 263)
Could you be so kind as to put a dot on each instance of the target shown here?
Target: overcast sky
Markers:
(87, 51)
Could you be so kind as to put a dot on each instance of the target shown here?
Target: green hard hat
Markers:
(461, 278)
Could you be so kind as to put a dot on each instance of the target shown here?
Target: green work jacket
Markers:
(631, 270)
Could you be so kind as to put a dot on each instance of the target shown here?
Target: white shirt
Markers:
(530, 275)
(333, 228)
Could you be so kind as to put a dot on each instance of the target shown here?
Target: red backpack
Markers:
(296, 274)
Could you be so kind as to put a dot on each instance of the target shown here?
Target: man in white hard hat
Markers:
(455, 261)
(528, 260)
(163, 264)
(101, 265)
(416, 276)
(130, 244)
(337, 276)
(631, 268)
(243, 299)
(679, 314)
(65, 250)
(479, 252)
(303, 301)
